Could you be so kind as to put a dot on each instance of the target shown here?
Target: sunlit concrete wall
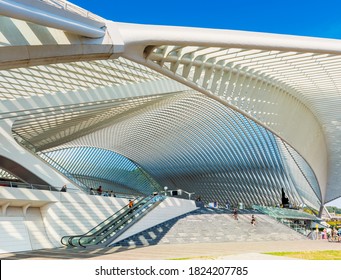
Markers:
(34, 219)
(77, 214)
(20, 232)
(14, 235)
(168, 209)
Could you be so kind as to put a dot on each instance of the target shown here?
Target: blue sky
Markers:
(307, 18)
(294, 17)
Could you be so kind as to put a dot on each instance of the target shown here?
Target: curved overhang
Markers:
(261, 75)
(94, 166)
(192, 142)
(287, 84)
(17, 169)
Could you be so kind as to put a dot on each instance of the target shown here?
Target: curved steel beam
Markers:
(46, 15)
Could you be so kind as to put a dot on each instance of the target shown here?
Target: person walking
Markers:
(253, 220)
(235, 214)
(227, 205)
(63, 188)
(131, 204)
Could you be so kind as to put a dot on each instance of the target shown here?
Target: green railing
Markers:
(295, 219)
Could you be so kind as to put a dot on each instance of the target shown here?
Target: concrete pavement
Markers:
(226, 250)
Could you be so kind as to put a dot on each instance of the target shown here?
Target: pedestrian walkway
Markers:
(226, 250)
(254, 256)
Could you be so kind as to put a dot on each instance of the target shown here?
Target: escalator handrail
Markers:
(136, 206)
(136, 215)
(103, 226)
(122, 222)
(70, 237)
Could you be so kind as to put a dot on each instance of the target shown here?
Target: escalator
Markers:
(108, 230)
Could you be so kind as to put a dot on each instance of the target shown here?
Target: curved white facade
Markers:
(228, 115)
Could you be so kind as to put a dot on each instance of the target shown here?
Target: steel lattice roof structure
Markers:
(228, 115)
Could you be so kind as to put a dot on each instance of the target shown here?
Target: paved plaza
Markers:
(227, 250)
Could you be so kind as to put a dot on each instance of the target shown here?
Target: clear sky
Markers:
(294, 17)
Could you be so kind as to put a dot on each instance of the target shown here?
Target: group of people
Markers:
(333, 234)
(235, 216)
(100, 191)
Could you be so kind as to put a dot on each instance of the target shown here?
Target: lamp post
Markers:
(165, 189)
(189, 195)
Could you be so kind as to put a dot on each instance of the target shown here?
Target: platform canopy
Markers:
(228, 115)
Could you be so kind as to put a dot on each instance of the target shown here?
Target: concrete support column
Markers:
(24, 164)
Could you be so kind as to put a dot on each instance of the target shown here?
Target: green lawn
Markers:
(311, 255)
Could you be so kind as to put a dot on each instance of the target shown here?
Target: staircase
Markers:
(207, 225)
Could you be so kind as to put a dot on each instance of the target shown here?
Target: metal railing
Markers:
(23, 185)
(288, 217)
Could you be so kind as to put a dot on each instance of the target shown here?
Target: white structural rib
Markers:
(48, 15)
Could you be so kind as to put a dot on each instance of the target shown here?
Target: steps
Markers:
(207, 225)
